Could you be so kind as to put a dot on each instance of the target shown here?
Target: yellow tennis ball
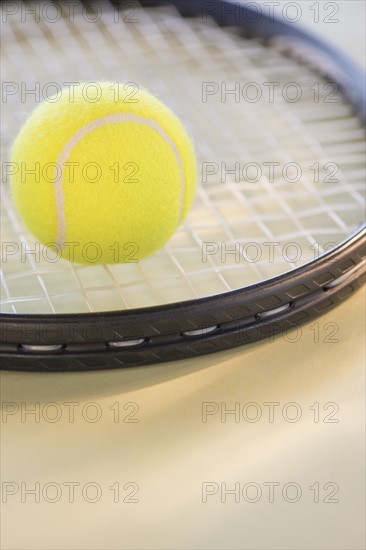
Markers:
(103, 173)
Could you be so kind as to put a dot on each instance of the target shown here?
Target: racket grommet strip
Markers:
(127, 343)
(273, 312)
(345, 276)
(200, 332)
(38, 348)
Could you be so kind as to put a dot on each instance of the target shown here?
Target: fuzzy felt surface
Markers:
(113, 177)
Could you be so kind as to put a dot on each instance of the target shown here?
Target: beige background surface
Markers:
(169, 453)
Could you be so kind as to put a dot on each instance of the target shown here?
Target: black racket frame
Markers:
(145, 336)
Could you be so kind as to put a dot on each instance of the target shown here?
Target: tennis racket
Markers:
(276, 235)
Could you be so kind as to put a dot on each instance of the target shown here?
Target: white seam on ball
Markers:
(80, 134)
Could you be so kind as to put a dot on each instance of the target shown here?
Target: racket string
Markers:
(229, 212)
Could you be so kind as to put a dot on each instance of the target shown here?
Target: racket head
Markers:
(221, 302)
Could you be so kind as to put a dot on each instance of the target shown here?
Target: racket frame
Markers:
(180, 330)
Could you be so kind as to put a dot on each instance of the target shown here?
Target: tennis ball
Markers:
(104, 177)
